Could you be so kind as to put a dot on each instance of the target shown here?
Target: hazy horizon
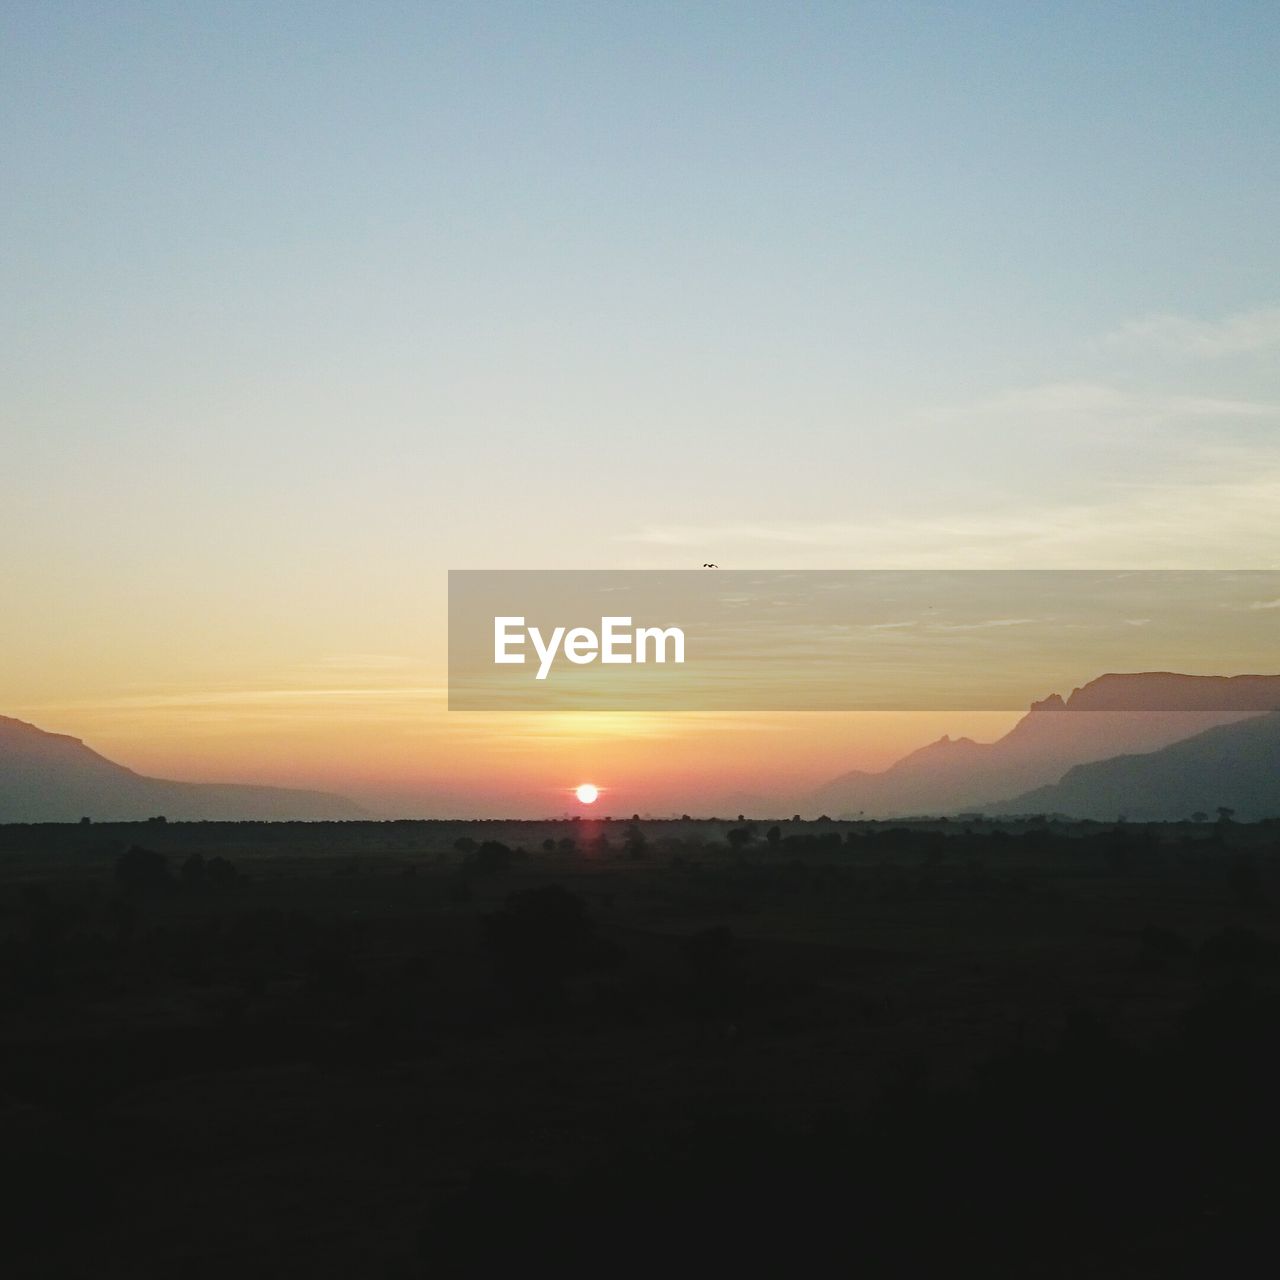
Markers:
(666, 775)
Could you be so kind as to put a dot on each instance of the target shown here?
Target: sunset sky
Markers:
(306, 305)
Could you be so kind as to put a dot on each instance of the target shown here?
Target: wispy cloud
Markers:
(363, 662)
(1184, 524)
(1245, 332)
(985, 625)
(1265, 604)
(1083, 402)
(231, 698)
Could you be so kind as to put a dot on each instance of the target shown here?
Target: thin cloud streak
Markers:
(986, 625)
(1084, 402)
(241, 698)
(1187, 525)
(1243, 333)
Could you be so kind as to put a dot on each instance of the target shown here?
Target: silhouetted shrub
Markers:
(221, 873)
(634, 842)
(542, 936)
(141, 870)
(491, 857)
(811, 842)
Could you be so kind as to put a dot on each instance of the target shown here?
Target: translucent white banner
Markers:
(858, 640)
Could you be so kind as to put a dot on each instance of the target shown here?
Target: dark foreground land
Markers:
(410, 1049)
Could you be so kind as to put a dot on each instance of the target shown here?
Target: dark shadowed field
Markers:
(440, 1048)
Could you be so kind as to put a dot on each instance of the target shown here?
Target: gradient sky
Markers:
(306, 304)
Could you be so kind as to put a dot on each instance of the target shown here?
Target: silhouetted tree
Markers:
(635, 841)
(221, 873)
(490, 857)
(140, 870)
(542, 936)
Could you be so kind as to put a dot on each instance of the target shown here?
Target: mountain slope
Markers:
(51, 777)
(1109, 716)
(1235, 765)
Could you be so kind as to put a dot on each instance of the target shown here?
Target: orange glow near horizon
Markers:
(265, 703)
(399, 753)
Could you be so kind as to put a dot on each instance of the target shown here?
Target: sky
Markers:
(304, 305)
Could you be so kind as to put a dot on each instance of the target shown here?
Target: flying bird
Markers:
(710, 566)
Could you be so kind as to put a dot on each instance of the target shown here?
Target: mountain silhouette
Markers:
(51, 777)
(1116, 714)
(1236, 766)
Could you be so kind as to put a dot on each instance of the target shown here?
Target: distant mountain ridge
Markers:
(1236, 766)
(52, 777)
(1171, 691)
(1116, 714)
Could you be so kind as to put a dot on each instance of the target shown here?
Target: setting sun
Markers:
(587, 794)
